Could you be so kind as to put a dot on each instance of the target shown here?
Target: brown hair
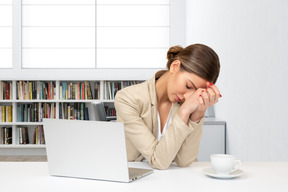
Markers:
(198, 59)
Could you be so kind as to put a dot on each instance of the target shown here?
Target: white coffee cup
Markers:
(224, 164)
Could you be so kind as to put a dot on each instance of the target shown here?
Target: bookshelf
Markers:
(24, 103)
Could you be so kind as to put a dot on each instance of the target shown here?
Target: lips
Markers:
(178, 99)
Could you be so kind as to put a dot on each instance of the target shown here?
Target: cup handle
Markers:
(237, 165)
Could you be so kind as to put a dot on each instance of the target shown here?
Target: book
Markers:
(109, 90)
(78, 91)
(49, 91)
(9, 113)
(86, 114)
(71, 112)
(2, 139)
(97, 91)
(1, 90)
(74, 91)
(7, 91)
(82, 111)
(89, 91)
(82, 90)
(3, 113)
(23, 135)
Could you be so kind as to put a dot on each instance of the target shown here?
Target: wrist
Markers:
(196, 116)
(183, 115)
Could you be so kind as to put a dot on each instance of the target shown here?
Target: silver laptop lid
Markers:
(86, 149)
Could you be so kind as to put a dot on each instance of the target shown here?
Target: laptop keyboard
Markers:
(134, 173)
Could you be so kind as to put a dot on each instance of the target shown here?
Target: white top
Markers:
(159, 135)
(258, 176)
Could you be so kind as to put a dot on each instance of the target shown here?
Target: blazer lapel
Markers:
(153, 101)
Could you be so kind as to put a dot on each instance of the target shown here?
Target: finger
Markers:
(201, 102)
(215, 89)
(212, 94)
(200, 90)
(195, 94)
(205, 98)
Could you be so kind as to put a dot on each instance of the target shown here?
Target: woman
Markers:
(163, 117)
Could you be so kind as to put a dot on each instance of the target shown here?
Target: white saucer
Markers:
(210, 172)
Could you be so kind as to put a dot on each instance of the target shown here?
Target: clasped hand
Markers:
(196, 103)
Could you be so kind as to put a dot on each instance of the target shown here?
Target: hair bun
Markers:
(173, 51)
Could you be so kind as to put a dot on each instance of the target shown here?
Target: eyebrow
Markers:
(193, 84)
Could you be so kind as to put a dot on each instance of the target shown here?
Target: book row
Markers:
(23, 135)
(111, 87)
(35, 112)
(6, 135)
(73, 111)
(6, 113)
(40, 90)
(46, 90)
(110, 112)
(79, 90)
(38, 136)
(5, 90)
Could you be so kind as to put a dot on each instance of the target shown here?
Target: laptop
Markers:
(89, 150)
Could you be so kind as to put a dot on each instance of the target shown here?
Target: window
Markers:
(6, 34)
(58, 33)
(132, 34)
(61, 39)
(86, 34)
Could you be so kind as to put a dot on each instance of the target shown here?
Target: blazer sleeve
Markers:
(158, 154)
(190, 147)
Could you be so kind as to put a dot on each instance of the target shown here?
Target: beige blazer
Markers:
(136, 107)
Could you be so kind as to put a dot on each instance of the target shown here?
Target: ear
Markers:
(175, 66)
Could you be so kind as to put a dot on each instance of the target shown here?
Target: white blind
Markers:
(132, 33)
(95, 34)
(5, 33)
(58, 34)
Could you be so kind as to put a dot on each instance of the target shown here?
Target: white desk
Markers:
(33, 176)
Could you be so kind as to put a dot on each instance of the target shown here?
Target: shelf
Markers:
(28, 123)
(33, 101)
(55, 101)
(107, 101)
(79, 101)
(6, 101)
(52, 101)
(6, 123)
(26, 146)
(98, 91)
(111, 118)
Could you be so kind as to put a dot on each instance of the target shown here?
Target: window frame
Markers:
(177, 37)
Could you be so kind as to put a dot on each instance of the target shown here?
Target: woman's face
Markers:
(181, 84)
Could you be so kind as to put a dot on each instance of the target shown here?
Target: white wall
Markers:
(251, 38)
